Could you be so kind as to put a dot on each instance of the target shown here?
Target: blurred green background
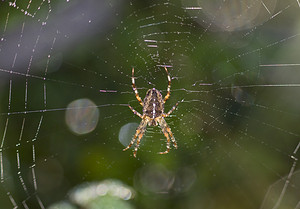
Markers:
(65, 78)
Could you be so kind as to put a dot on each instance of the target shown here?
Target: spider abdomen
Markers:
(153, 104)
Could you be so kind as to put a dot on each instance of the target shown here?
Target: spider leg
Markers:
(135, 89)
(138, 141)
(139, 133)
(169, 86)
(168, 143)
(135, 112)
(169, 113)
(167, 132)
(172, 137)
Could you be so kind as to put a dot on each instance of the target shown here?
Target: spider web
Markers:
(65, 71)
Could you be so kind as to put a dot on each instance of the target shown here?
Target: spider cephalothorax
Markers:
(153, 114)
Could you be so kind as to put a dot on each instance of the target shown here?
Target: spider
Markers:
(153, 114)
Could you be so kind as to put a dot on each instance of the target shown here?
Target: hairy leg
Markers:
(135, 112)
(169, 113)
(140, 129)
(135, 89)
(167, 132)
(169, 86)
(138, 141)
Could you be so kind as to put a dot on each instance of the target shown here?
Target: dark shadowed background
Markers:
(65, 87)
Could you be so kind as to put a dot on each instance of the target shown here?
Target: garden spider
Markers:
(153, 114)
